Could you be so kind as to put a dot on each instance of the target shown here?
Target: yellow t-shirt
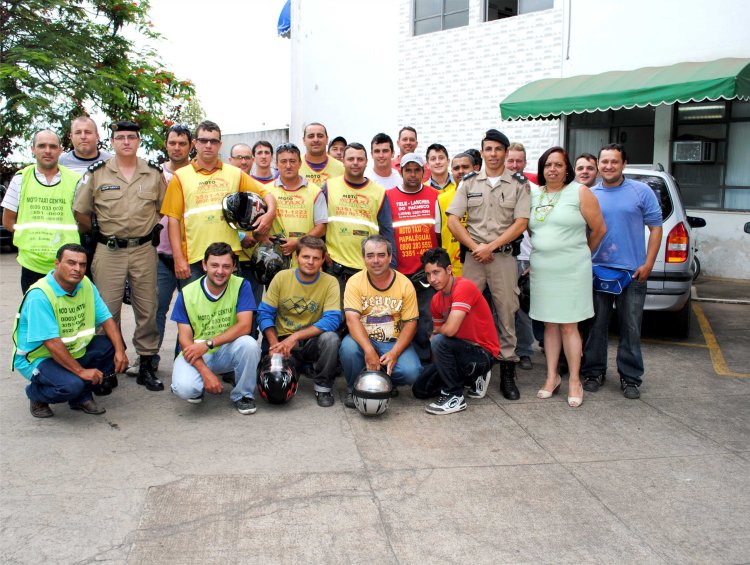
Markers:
(383, 312)
(333, 168)
(299, 305)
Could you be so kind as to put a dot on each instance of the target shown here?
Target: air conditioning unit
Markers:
(694, 152)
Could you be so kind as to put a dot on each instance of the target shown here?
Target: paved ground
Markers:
(664, 479)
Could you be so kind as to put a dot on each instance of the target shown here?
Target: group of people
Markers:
(407, 264)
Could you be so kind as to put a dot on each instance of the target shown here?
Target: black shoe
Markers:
(108, 384)
(325, 399)
(593, 383)
(146, 376)
(525, 363)
(245, 405)
(508, 380)
(89, 407)
(40, 409)
(349, 400)
(394, 392)
(630, 390)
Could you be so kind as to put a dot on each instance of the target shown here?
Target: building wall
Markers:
(451, 82)
(344, 58)
(274, 136)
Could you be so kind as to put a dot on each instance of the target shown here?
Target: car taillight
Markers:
(677, 244)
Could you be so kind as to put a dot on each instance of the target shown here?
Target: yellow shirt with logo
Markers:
(334, 168)
(382, 312)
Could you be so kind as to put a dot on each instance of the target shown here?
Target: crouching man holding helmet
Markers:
(214, 315)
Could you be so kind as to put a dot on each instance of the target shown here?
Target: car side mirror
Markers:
(696, 222)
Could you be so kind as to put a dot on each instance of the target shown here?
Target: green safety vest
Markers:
(75, 315)
(45, 219)
(209, 318)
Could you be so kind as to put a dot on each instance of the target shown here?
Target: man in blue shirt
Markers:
(55, 345)
(214, 315)
(300, 313)
(627, 206)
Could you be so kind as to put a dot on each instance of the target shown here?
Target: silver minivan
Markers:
(671, 279)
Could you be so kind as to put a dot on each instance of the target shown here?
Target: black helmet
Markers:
(268, 259)
(241, 209)
(372, 392)
(277, 379)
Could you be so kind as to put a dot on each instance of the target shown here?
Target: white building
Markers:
(444, 67)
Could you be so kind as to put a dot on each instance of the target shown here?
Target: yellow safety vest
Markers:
(45, 219)
(352, 216)
(203, 217)
(76, 319)
(448, 240)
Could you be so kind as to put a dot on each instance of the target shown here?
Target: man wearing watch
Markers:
(214, 315)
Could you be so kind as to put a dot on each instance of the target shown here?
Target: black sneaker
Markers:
(324, 398)
(349, 400)
(245, 405)
(630, 390)
(525, 363)
(446, 404)
(593, 383)
(481, 386)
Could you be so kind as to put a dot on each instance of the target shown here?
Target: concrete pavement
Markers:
(664, 479)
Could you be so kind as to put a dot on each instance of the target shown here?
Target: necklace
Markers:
(546, 204)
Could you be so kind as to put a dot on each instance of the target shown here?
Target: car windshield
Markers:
(659, 187)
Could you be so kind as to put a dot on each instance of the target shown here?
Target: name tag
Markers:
(474, 194)
(107, 187)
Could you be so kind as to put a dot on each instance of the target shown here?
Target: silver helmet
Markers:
(372, 392)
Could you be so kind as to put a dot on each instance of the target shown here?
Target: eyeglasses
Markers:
(208, 141)
(242, 157)
(125, 137)
(287, 147)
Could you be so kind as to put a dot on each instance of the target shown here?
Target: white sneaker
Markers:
(446, 404)
(134, 368)
(481, 386)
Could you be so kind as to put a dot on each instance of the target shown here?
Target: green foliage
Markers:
(63, 58)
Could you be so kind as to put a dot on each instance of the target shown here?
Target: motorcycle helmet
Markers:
(268, 259)
(242, 209)
(372, 392)
(277, 379)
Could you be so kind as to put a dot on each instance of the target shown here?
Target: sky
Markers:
(231, 51)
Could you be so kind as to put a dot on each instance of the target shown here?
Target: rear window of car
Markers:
(661, 190)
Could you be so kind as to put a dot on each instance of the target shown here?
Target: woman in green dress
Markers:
(561, 292)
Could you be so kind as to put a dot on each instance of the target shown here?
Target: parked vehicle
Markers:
(671, 279)
(6, 238)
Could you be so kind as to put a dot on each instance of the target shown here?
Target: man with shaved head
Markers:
(38, 209)
(84, 136)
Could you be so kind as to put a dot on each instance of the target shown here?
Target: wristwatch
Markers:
(210, 343)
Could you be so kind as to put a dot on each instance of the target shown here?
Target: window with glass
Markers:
(437, 15)
(710, 154)
(499, 9)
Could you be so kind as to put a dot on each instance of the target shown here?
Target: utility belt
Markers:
(509, 249)
(340, 271)
(113, 242)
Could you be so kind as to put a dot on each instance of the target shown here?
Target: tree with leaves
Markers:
(63, 58)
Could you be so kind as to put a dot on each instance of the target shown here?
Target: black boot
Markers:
(109, 382)
(508, 380)
(146, 375)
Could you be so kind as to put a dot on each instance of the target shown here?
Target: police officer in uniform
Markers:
(125, 194)
(497, 203)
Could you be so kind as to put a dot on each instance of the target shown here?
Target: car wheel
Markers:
(682, 319)
(696, 268)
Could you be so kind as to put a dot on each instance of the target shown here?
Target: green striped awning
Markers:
(614, 90)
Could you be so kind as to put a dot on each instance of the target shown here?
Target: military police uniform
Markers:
(127, 212)
(490, 211)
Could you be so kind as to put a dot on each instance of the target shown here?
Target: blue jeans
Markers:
(52, 383)
(524, 332)
(248, 274)
(630, 313)
(166, 283)
(241, 356)
(405, 372)
(458, 362)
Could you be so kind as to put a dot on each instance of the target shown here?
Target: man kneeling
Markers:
(462, 347)
(55, 345)
(213, 316)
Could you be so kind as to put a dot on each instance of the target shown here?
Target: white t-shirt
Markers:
(78, 164)
(391, 181)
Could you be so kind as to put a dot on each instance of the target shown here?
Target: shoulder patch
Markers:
(154, 165)
(97, 165)
(519, 177)
(468, 176)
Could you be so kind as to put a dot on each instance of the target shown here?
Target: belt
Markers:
(506, 249)
(113, 242)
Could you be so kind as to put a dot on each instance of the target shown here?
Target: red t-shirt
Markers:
(413, 216)
(478, 326)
